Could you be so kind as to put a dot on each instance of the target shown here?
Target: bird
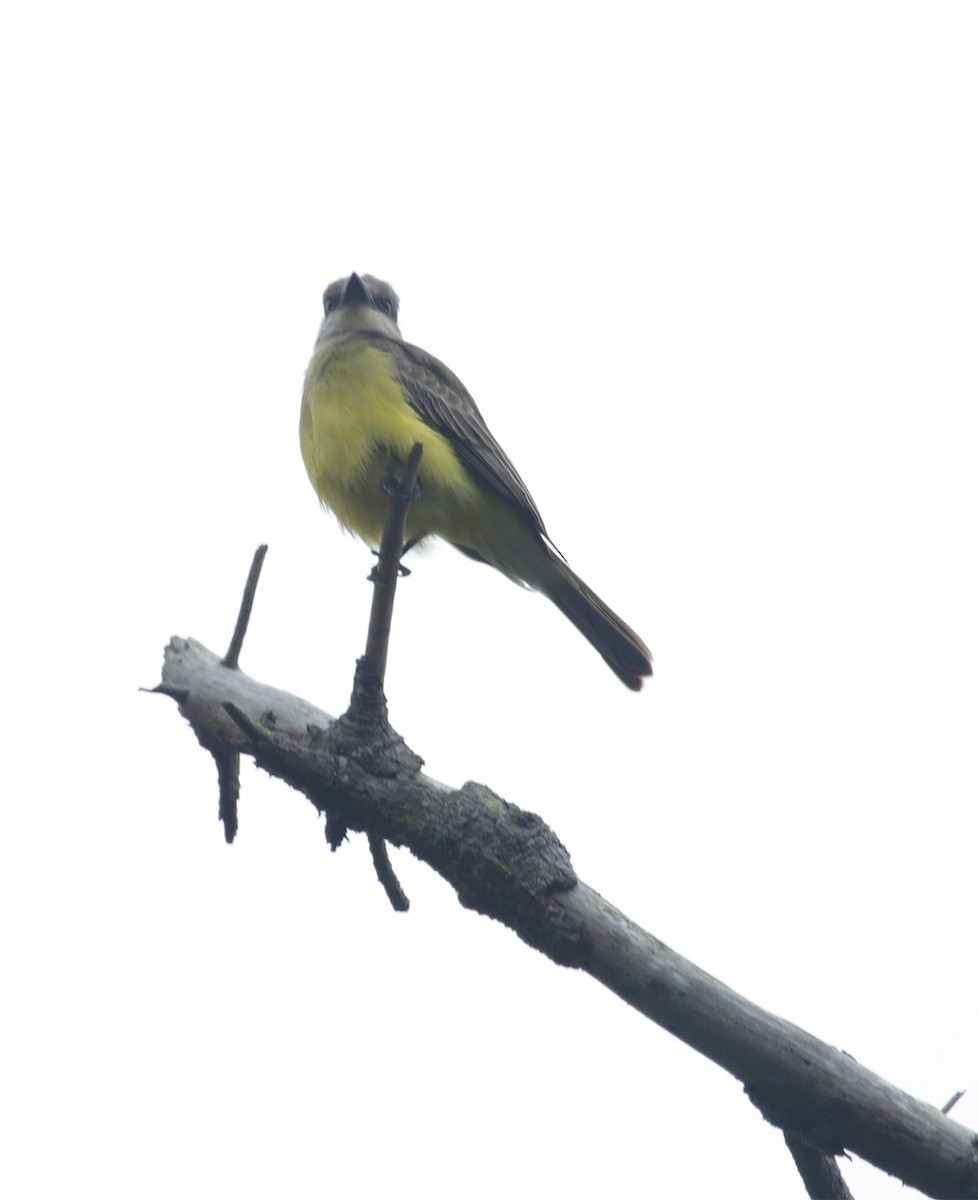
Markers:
(368, 398)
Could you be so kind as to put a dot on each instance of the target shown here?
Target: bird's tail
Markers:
(620, 647)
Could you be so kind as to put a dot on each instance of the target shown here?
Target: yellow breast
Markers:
(356, 427)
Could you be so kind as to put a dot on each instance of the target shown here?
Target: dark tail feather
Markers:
(620, 647)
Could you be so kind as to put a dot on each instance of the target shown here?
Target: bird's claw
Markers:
(391, 486)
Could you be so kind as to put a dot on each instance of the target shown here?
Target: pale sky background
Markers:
(710, 272)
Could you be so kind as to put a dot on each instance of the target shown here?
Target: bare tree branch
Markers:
(508, 864)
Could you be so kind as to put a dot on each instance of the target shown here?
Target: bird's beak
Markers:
(356, 292)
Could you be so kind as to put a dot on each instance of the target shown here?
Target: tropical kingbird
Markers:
(369, 396)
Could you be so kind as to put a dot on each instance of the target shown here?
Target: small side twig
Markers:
(951, 1103)
(250, 728)
(819, 1171)
(228, 791)
(228, 763)
(230, 659)
(385, 873)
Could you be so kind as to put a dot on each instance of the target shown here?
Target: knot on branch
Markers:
(510, 865)
(372, 745)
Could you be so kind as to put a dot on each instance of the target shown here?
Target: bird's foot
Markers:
(402, 571)
(391, 486)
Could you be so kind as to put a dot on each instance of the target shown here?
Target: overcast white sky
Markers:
(710, 272)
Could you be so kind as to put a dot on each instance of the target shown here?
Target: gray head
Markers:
(359, 304)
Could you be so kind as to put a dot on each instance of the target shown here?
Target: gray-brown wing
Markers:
(441, 401)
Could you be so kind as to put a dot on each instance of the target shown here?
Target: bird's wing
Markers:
(441, 401)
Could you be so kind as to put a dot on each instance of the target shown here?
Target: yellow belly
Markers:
(356, 428)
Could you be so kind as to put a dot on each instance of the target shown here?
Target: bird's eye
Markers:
(327, 304)
(386, 306)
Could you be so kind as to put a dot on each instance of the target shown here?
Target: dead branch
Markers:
(508, 864)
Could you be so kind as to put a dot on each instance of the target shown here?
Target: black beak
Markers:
(356, 292)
